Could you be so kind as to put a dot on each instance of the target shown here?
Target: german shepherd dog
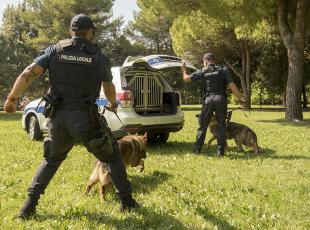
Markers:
(241, 134)
(133, 151)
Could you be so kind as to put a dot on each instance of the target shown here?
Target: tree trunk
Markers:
(294, 43)
(243, 72)
(247, 78)
(244, 75)
(304, 97)
(260, 98)
(284, 98)
(284, 74)
(294, 85)
(157, 44)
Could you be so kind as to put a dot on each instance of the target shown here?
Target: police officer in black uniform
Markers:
(214, 79)
(77, 70)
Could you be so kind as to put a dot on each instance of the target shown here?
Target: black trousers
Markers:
(66, 128)
(213, 104)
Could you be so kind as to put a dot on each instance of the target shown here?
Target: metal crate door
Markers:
(148, 93)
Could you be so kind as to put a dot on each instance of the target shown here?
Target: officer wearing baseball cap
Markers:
(81, 21)
(77, 70)
(215, 80)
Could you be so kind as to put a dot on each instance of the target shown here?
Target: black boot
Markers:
(220, 151)
(29, 208)
(127, 203)
(220, 154)
(197, 149)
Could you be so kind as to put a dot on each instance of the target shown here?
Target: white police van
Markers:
(147, 101)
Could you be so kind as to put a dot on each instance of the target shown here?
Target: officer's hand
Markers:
(113, 107)
(242, 102)
(183, 67)
(10, 105)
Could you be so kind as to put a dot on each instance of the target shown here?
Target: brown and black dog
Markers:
(133, 151)
(241, 134)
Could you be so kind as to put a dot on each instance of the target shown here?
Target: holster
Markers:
(103, 143)
(50, 105)
(102, 139)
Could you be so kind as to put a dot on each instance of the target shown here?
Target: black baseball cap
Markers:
(81, 21)
(208, 56)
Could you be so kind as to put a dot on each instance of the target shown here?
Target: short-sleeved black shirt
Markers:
(43, 60)
(199, 75)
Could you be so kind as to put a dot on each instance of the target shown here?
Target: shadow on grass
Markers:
(304, 123)
(263, 109)
(265, 153)
(147, 219)
(152, 181)
(183, 148)
(276, 109)
(189, 108)
(10, 116)
(234, 153)
(172, 147)
(219, 222)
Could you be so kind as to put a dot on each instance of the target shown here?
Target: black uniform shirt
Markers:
(105, 66)
(199, 75)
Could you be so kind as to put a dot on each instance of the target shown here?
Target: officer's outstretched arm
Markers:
(110, 93)
(236, 91)
(29, 74)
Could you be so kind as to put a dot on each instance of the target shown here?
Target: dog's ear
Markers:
(145, 137)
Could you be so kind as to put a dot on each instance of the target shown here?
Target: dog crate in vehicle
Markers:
(147, 90)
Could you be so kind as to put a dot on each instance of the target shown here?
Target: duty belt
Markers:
(82, 105)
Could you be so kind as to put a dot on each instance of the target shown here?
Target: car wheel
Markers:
(163, 137)
(158, 138)
(34, 131)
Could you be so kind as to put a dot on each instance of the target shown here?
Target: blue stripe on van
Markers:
(38, 110)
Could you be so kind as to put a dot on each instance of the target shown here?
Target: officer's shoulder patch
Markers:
(63, 44)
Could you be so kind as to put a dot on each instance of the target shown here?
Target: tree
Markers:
(14, 57)
(212, 28)
(120, 48)
(151, 27)
(49, 20)
(243, 17)
(15, 54)
(35, 24)
(293, 34)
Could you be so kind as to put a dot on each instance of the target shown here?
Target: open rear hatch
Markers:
(155, 62)
(145, 78)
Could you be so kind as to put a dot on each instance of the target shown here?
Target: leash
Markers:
(229, 113)
(111, 110)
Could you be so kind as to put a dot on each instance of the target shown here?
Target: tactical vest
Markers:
(74, 71)
(214, 80)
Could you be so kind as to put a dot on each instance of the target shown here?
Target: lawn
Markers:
(178, 190)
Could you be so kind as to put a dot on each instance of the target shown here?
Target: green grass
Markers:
(178, 190)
